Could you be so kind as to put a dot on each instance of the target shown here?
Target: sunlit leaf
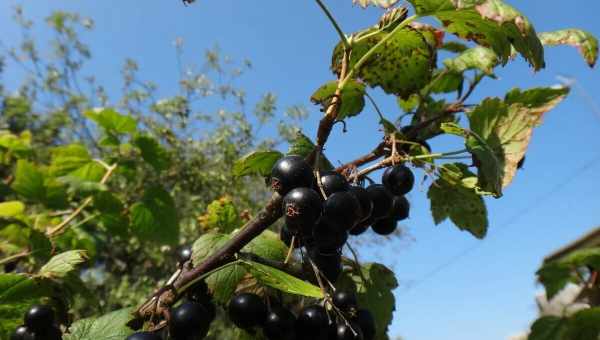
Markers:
(352, 97)
(282, 281)
(256, 163)
(584, 41)
(62, 264)
(111, 326)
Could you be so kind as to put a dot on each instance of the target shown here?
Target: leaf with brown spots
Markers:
(584, 41)
(378, 3)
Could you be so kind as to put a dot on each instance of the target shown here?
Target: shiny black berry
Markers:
(400, 208)
(286, 237)
(21, 333)
(329, 236)
(344, 332)
(190, 320)
(39, 318)
(144, 336)
(364, 199)
(342, 209)
(302, 209)
(312, 323)
(291, 172)
(365, 320)
(398, 179)
(333, 182)
(279, 324)
(345, 301)
(184, 254)
(382, 200)
(385, 226)
(329, 263)
(199, 292)
(247, 310)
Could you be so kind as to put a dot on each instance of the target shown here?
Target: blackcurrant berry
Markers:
(385, 226)
(21, 333)
(346, 333)
(342, 209)
(400, 208)
(184, 254)
(382, 200)
(302, 209)
(189, 321)
(199, 292)
(291, 172)
(279, 324)
(247, 310)
(345, 301)
(328, 236)
(398, 179)
(286, 237)
(144, 336)
(330, 264)
(39, 318)
(53, 333)
(333, 182)
(312, 322)
(361, 227)
(364, 199)
(366, 322)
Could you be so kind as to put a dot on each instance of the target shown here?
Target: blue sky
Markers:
(488, 292)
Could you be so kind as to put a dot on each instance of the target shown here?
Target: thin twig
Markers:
(335, 24)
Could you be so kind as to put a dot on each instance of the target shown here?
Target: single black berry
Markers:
(53, 333)
(333, 182)
(189, 321)
(199, 292)
(291, 172)
(144, 336)
(345, 301)
(184, 254)
(382, 200)
(39, 318)
(385, 226)
(279, 324)
(329, 236)
(285, 235)
(366, 322)
(364, 199)
(330, 264)
(10, 266)
(302, 209)
(400, 208)
(347, 333)
(247, 310)
(361, 227)
(342, 209)
(398, 179)
(21, 333)
(312, 322)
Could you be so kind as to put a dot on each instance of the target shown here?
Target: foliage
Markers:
(98, 192)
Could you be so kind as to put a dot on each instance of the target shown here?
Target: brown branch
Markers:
(377, 153)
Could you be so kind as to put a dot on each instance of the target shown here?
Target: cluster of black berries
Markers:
(38, 324)
(322, 225)
(345, 322)
(191, 319)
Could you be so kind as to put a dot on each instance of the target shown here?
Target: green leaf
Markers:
(549, 328)
(112, 121)
(278, 279)
(11, 208)
(154, 218)
(152, 152)
(378, 3)
(221, 215)
(224, 282)
(256, 163)
(454, 46)
(107, 202)
(490, 23)
(29, 181)
(584, 41)
(62, 264)
(554, 277)
(40, 245)
(374, 294)
(479, 58)
(111, 326)
(268, 245)
(15, 288)
(352, 96)
(302, 146)
(583, 257)
(409, 104)
(90, 172)
(68, 158)
(19, 146)
(401, 66)
(450, 198)
(445, 82)
(584, 325)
